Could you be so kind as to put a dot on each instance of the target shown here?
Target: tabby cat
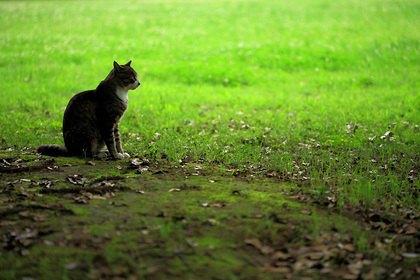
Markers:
(92, 117)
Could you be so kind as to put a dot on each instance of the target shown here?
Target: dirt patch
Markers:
(133, 219)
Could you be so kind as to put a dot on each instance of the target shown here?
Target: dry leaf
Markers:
(213, 221)
(72, 265)
(280, 256)
(349, 247)
(351, 128)
(355, 268)
(97, 197)
(306, 212)
(80, 199)
(76, 179)
(392, 125)
(282, 270)
(265, 250)
(410, 230)
(174, 190)
(136, 162)
(141, 170)
(371, 139)
(387, 134)
(191, 243)
(409, 255)
(254, 242)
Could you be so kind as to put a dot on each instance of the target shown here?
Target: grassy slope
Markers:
(244, 83)
(251, 85)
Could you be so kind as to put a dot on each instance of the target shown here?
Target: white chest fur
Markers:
(122, 94)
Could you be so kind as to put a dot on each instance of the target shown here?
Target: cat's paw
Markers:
(126, 155)
(119, 156)
(102, 155)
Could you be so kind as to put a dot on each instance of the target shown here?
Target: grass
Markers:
(288, 78)
(267, 85)
(253, 87)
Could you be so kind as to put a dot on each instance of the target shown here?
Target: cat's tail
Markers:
(53, 150)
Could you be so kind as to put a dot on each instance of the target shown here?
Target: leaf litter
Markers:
(327, 253)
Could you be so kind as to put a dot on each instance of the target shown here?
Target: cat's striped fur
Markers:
(92, 117)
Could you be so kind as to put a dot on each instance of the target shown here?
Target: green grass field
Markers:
(257, 87)
(252, 84)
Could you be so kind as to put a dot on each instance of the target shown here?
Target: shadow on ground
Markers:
(69, 218)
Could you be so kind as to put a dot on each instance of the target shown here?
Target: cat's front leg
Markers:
(118, 142)
(109, 138)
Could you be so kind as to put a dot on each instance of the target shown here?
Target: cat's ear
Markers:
(128, 63)
(116, 65)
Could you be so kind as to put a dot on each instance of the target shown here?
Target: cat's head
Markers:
(125, 76)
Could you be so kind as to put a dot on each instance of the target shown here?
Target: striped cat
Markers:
(92, 117)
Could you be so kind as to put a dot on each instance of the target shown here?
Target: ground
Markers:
(63, 218)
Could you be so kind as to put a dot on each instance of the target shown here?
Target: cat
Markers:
(92, 117)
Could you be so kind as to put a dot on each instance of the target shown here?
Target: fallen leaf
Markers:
(76, 179)
(315, 256)
(370, 275)
(282, 270)
(7, 223)
(72, 265)
(348, 247)
(351, 128)
(387, 134)
(355, 268)
(342, 273)
(371, 139)
(191, 243)
(141, 170)
(392, 125)
(398, 270)
(39, 217)
(350, 276)
(90, 163)
(306, 212)
(265, 250)
(280, 256)
(254, 242)
(174, 190)
(217, 205)
(213, 221)
(136, 162)
(94, 196)
(410, 230)
(409, 255)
